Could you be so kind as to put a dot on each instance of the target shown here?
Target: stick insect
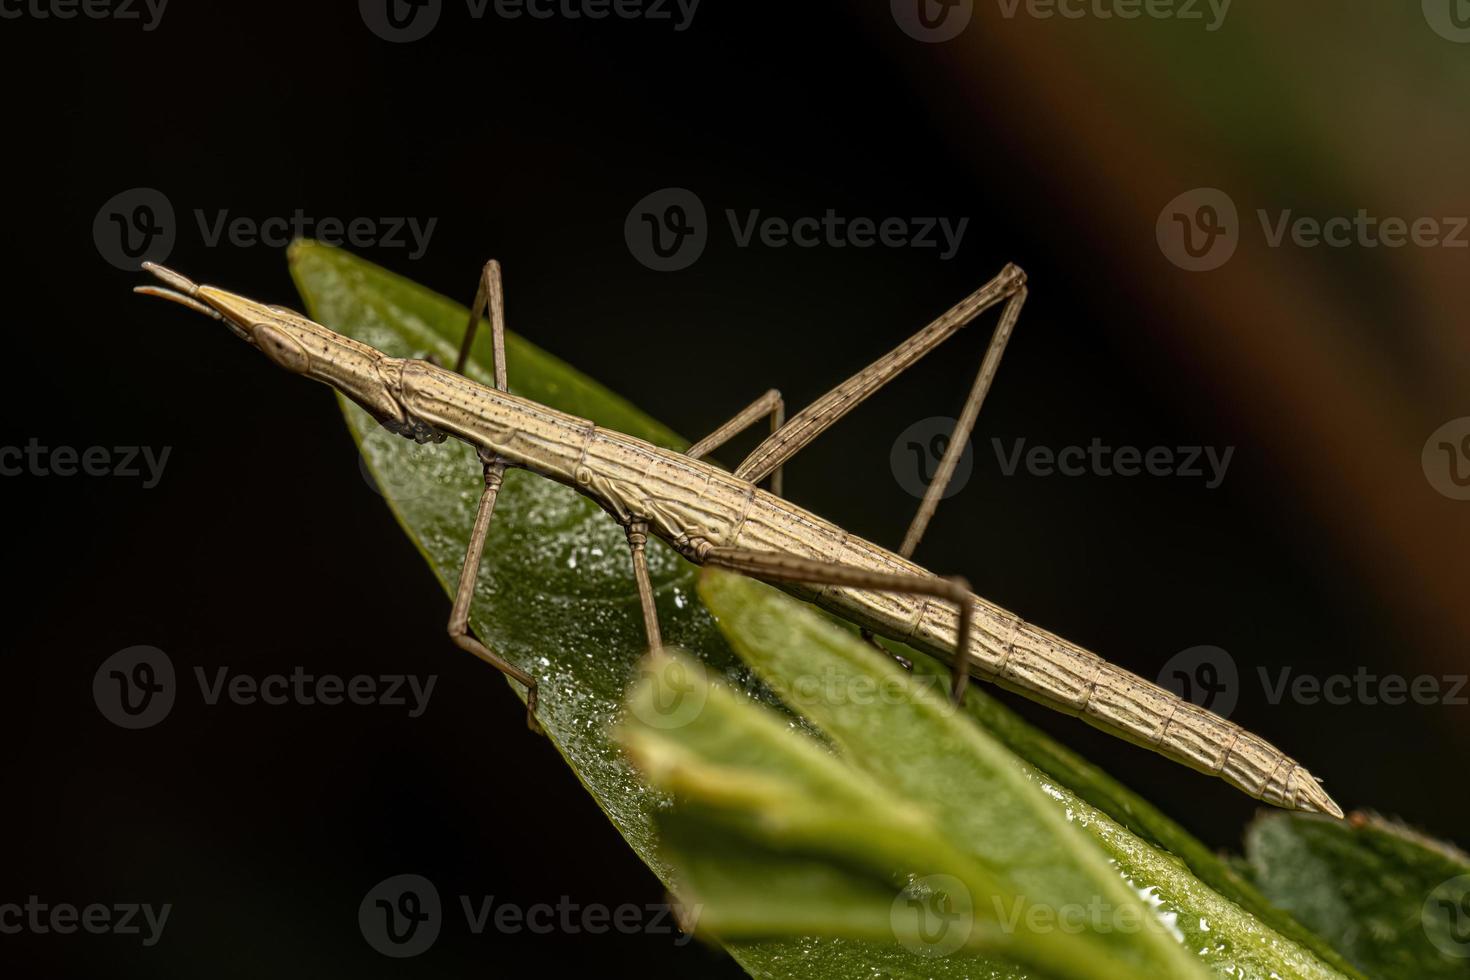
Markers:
(719, 518)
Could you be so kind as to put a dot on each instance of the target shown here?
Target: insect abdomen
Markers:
(1043, 667)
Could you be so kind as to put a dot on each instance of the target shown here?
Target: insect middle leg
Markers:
(768, 405)
(776, 567)
(459, 616)
(637, 532)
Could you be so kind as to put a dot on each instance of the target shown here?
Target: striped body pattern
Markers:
(711, 515)
(694, 505)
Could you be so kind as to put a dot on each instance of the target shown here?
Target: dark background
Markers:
(1326, 549)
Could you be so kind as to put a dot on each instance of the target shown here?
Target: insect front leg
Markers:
(459, 617)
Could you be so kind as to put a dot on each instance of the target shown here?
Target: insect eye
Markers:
(281, 348)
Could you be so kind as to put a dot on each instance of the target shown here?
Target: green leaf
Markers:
(775, 836)
(1137, 815)
(1394, 902)
(1033, 834)
(556, 595)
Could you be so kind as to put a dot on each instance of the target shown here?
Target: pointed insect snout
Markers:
(241, 315)
(291, 341)
(274, 332)
(176, 289)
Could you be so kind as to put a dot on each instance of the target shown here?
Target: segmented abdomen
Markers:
(1008, 651)
(1021, 657)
